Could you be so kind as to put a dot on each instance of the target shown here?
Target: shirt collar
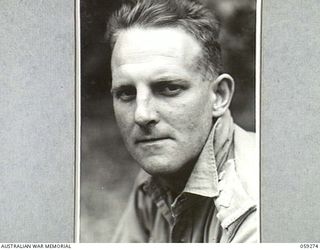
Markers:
(204, 177)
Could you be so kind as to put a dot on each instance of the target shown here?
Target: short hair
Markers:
(190, 15)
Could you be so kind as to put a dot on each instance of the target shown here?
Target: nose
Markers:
(146, 114)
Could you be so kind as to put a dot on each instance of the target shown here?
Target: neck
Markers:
(177, 181)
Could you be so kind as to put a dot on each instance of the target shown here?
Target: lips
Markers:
(151, 140)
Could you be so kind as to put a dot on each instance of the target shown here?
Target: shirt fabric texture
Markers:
(218, 203)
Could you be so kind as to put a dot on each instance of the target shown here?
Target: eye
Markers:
(169, 89)
(126, 94)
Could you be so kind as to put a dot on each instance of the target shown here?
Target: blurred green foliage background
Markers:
(107, 170)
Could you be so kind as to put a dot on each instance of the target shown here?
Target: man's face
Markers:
(161, 103)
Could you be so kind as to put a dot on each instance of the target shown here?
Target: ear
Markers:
(223, 88)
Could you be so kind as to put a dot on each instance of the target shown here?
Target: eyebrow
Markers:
(121, 87)
(169, 79)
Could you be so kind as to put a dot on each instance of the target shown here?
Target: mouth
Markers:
(151, 140)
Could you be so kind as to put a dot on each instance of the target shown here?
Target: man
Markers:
(171, 101)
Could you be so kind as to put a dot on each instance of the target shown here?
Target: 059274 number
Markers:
(309, 245)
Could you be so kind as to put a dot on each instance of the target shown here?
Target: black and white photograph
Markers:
(159, 121)
(169, 151)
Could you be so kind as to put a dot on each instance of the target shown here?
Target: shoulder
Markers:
(247, 160)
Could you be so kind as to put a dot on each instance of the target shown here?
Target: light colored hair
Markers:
(190, 15)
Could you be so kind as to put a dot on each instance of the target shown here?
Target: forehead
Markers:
(143, 45)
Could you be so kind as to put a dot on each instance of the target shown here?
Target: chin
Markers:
(159, 167)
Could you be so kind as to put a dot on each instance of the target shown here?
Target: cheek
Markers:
(193, 113)
(123, 118)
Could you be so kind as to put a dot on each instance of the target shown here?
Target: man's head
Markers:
(165, 84)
